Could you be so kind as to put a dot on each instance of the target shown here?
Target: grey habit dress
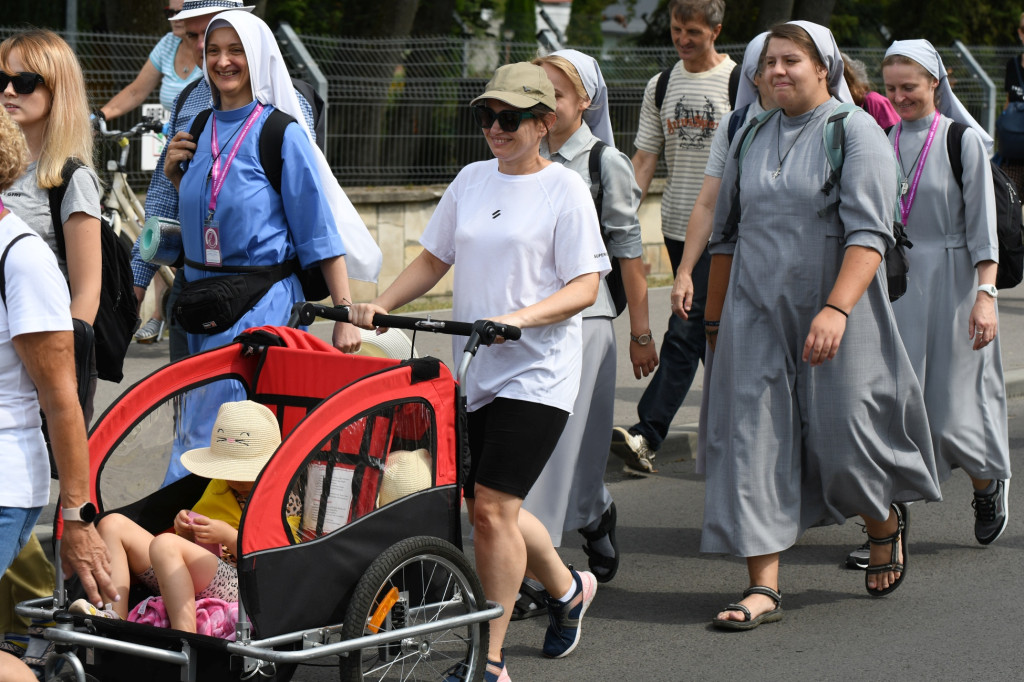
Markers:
(963, 388)
(792, 446)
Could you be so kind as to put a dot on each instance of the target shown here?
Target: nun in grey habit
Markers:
(948, 318)
(815, 414)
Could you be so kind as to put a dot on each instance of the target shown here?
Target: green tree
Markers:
(585, 22)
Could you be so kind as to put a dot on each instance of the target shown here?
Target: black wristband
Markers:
(837, 309)
(712, 323)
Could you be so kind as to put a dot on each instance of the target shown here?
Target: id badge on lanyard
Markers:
(212, 255)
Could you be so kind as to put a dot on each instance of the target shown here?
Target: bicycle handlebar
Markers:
(146, 125)
(303, 313)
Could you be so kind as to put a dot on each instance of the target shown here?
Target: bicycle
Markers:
(119, 204)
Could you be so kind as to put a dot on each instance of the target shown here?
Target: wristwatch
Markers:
(86, 513)
(641, 340)
(989, 289)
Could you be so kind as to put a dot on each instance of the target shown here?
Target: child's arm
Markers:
(214, 532)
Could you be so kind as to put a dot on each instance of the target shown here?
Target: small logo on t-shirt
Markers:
(496, 214)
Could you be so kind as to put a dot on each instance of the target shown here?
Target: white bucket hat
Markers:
(197, 8)
(244, 437)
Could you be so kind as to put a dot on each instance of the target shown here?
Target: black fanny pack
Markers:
(213, 304)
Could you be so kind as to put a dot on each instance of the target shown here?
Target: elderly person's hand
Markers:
(83, 552)
(984, 324)
(180, 149)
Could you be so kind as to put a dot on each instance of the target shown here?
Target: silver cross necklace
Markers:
(778, 142)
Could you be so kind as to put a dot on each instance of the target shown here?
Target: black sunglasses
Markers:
(509, 119)
(169, 13)
(24, 83)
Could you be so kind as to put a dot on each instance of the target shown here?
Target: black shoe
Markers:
(603, 567)
(991, 512)
(858, 558)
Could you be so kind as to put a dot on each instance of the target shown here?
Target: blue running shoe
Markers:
(565, 621)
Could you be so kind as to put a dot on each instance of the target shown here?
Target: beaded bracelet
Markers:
(712, 323)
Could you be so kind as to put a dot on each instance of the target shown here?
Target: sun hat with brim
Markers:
(521, 85)
(197, 8)
(244, 437)
(393, 343)
(406, 472)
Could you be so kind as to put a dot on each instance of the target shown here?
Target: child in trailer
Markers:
(198, 560)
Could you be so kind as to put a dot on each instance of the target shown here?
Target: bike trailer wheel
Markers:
(418, 580)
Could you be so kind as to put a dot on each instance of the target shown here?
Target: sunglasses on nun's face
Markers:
(24, 83)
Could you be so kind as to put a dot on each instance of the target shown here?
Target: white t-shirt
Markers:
(37, 301)
(514, 241)
(692, 110)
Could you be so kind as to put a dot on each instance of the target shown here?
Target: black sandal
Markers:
(602, 566)
(772, 616)
(530, 602)
(900, 537)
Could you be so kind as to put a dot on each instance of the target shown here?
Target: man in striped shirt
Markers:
(681, 110)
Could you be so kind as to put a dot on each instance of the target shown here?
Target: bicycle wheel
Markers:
(417, 580)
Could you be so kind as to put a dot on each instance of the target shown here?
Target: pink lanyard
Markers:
(908, 202)
(218, 175)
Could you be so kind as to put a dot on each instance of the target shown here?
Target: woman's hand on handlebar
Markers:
(180, 151)
(361, 315)
(511, 320)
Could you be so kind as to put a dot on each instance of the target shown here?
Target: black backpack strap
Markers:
(271, 139)
(596, 189)
(954, 147)
(662, 87)
(3, 265)
(198, 123)
(56, 195)
(182, 96)
(734, 85)
(736, 120)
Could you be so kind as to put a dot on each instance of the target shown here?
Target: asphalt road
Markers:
(957, 616)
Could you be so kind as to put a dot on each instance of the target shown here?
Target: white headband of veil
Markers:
(830, 56)
(922, 52)
(747, 91)
(596, 115)
(271, 84)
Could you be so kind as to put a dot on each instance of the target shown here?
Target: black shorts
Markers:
(510, 441)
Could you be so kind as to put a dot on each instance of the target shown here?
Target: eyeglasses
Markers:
(24, 83)
(509, 119)
(169, 12)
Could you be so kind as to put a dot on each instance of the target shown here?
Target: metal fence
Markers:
(398, 111)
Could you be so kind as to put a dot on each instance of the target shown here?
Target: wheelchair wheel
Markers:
(417, 580)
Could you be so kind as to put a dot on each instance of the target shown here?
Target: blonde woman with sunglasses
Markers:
(44, 92)
(523, 236)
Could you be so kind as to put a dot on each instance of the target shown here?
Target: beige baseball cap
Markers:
(521, 85)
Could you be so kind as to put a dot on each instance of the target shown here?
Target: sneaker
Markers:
(83, 607)
(151, 332)
(991, 512)
(858, 558)
(633, 449)
(565, 621)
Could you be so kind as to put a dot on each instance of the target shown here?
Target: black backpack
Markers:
(614, 278)
(314, 286)
(1008, 211)
(117, 317)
